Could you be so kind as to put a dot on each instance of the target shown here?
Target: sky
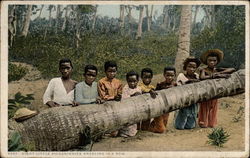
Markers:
(113, 11)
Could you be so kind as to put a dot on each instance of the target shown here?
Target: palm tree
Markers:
(62, 128)
(27, 21)
(184, 37)
(139, 30)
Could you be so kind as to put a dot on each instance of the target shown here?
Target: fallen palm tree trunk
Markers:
(61, 128)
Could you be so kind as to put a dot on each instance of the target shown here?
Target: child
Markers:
(131, 89)
(86, 91)
(207, 116)
(60, 91)
(110, 88)
(186, 117)
(159, 124)
(146, 87)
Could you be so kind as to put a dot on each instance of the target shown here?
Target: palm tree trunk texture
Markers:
(121, 19)
(27, 21)
(148, 18)
(130, 19)
(94, 18)
(139, 30)
(61, 128)
(65, 17)
(184, 37)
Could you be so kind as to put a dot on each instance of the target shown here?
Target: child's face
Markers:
(90, 76)
(146, 78)
(65, 69)
(111, 72)
(212, 61)
(169, 76)
(132, 81)
(191, 68)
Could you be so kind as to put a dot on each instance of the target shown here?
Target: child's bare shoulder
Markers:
(73, 81)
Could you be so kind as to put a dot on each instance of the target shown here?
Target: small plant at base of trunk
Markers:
(218, 137)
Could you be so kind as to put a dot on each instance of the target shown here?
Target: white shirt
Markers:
(182, 79)
(56, 92)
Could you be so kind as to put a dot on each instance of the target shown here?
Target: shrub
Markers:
(152, 51)
(16, 72)
(218, 137)
(18, 102)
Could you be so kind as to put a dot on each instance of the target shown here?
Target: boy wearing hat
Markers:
(186, 117)
(208, 110)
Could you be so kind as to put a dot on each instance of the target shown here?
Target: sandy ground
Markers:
(172, 140)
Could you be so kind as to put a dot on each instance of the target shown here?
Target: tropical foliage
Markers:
(16, 72)
(18, 102)
(78, 33)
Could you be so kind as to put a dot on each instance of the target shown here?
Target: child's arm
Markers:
(118, 97)
(99, 100)
(223, 72)
(204, 76)
(158, 87)
(153, 93)
(135, 94)
(226, 70)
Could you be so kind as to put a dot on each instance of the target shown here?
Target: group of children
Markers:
(65, 91)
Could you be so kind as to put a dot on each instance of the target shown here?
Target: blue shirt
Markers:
(85, 94)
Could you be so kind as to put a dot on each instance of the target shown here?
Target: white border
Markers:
(4, 87)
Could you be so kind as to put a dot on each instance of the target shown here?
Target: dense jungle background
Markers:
(148, 40)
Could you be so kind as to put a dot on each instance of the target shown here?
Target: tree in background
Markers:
(139, 30)
(122, 18)
(94, 18)
(149, 16)
(75, 38)
(184, 37)
(11, 25)
(228, 34)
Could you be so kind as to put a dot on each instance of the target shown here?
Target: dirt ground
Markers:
(172, 140)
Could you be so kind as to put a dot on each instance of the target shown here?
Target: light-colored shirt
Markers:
(182, 79)
(132, 129)
(127, 92)
(56, 92)
(85, 94)
(108, 90)
(145, 88)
